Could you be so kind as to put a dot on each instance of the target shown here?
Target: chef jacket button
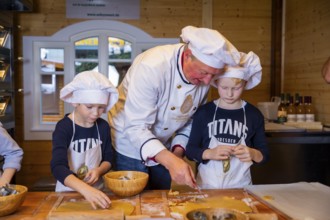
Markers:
(165, 128)
(172, 108)
(194, 108)
(178, 86)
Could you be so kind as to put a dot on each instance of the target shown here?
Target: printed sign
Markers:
(103, 9)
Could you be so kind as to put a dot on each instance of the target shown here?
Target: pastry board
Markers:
(181, 201)
(157, 204)
(77, 208)
(300, 200)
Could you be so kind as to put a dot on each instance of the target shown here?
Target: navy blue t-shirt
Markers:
(229, 128)
(83, 136)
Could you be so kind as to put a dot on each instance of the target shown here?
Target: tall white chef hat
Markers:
(90, 87)
(210, 47)
(248, 70)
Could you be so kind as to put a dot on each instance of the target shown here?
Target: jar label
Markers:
(301, 118)
(310, 117)
(292, 117)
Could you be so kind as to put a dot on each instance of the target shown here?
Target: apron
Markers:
(212, 176)
(91, 158)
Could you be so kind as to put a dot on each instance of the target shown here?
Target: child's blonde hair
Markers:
(236, 80)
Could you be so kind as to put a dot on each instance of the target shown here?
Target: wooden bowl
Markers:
(126, 183)
(9, 204)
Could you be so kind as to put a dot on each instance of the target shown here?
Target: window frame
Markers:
(34, 128)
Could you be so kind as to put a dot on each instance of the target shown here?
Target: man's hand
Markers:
(179, 152)
(180, 171)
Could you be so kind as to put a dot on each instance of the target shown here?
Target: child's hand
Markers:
(3, 182)
(243, 153)
(221, 152)
(92, 176)
(6, 176)
(96, 198)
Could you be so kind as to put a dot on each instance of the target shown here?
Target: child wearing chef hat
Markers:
(227, 134)
(82, 150)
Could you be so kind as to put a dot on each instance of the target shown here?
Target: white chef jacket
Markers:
(155, 105)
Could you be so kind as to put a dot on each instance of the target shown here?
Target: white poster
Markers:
(103, 9)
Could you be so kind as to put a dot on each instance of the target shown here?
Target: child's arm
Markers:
(12, 154)
(256, 155)
(59, 163)
(7, 175)
(94, 196)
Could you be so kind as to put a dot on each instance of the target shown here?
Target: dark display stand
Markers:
(7, 91)
(295, 157)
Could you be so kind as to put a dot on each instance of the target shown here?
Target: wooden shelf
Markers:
(3, 37)
(4, 67)
(4, 101)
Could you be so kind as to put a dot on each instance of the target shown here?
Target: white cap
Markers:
(210, 47)
(90, 87)
(248, 70)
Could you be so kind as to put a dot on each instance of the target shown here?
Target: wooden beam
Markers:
(207, 14)
(276, 48)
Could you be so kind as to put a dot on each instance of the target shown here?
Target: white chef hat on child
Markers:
(248, 70)
(210, 47)
(90, 87)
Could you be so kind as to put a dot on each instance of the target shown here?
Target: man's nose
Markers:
(207, 79)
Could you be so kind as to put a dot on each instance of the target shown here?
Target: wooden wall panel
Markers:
(166, 18)
(245, 23)
(7, 18)
(307, 46)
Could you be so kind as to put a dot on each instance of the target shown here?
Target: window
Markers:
(108, 47)
(119, 52)
(52, 75)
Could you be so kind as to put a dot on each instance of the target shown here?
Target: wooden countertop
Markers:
(37, 205)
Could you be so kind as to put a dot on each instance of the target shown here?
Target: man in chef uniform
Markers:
(151, 122)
